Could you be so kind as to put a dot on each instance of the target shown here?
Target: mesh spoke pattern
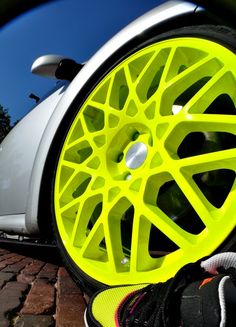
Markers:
(126, 225)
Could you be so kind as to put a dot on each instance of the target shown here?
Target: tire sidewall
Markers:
(220, 34)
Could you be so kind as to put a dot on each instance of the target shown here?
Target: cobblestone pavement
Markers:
(34, 293)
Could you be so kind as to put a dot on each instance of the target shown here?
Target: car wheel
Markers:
(145, 179)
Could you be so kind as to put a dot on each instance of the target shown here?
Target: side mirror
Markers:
(56, 66)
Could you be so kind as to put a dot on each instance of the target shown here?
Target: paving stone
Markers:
(40, 299)
(17, 266)
(49, 271)
(35, 321)
(33, 268)
(23, 278)
(7, 256)
(10, 261)
(28, 297)
(65, 283)
(3, 251)
(5, 277)
(71, 324)
(27, 275)
(10, 299)
(70, 311)
(70, 304)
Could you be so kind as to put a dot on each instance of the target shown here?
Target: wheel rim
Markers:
(140, 172)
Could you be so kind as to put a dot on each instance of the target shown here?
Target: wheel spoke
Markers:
(210, 123)
(167, 226)
(140, 259)
(132, 87)
(144, 161)
(85, 217)
(224, 159)
(91, 246)
(192, 73)
(171, 67)
(221, 83)
(201, 206)
(82, 167)
(113, 244)
(72, 177)
(137, 245)
(70, 205)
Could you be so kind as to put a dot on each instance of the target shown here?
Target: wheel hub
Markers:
(136, 155)
(146, 177)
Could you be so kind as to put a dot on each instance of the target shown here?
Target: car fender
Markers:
(157, 16)
(17, 153)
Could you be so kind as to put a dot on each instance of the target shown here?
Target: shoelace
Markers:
(231, 272)
(158, 304)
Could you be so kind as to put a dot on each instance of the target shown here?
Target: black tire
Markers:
(219, 34)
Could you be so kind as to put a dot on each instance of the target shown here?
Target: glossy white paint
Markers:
(154, 17)
(13, 224)
(25, 150)
(17, 156)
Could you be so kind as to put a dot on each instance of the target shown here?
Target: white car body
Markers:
(24, 151)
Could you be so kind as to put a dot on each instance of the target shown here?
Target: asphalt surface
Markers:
(37, 291)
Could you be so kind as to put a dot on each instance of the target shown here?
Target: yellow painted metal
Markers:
(95, 190)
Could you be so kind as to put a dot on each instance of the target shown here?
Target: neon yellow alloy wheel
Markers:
(145, 180)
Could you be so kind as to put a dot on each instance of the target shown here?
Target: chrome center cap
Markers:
(136, 155)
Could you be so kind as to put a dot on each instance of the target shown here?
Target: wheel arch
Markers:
(159, 20)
